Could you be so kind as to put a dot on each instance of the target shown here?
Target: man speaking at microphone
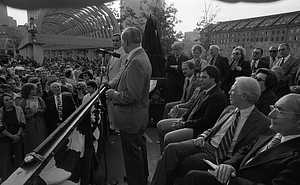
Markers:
(114, 68)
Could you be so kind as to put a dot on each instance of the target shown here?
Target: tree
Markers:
(207, 20)
(164, 16)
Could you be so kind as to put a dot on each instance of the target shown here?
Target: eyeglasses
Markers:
(275, 109)
(236, 53)
(272, 51)
(259, 79)
(281, 49)
(255, 52)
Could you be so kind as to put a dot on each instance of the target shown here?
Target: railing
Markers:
(35, 162)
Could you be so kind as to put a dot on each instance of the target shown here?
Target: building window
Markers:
(273, 32)
(243, 40)
(266, 39)
(298, 30)
(278, 31)
(256, 39)
(283, 31)
(282, 38)
(277, 38)
(251, 40)
(290, 38)
(261, 39)
(291, 31)
(272, 38)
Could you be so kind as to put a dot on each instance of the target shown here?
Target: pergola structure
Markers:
(65, 29)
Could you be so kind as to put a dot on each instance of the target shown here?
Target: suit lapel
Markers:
(250, 124)
(282, 150)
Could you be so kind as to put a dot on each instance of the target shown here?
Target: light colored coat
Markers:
(132, 100)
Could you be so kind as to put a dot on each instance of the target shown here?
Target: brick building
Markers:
(252, 32)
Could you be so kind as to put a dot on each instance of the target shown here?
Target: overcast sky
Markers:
(190, 11)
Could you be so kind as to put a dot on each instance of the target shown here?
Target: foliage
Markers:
(207, 19)
(164, 16)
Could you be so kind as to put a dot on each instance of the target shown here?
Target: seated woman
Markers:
(267, 79)
(12, 124)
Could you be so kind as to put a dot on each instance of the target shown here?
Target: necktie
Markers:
(225, 143)
(195, 106)
(276, 140)
(281, 62)
(59, 108)
(177, 58)
(212, 61)
(253, 66)
(273, 60)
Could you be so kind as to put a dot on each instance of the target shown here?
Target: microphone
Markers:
(117, 55)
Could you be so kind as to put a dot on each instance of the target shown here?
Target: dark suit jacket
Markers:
(262, 64)
(51, 113)
(294, 78)
(223, 66)
(277, 165)
(207, 111)
(290, 67)
(132, 98)
(174, 78)
(268, 60)
(266, 99)
(256, 124)
(246, 71)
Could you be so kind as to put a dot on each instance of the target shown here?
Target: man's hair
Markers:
(261, 50)
(178, 45)
(55, 83)
(213, 72)
(285, 44)
(92, 83)
(250, 87)
(215, 46)
(278, 70)
(271, 79)
(133, 35)
(31, 18)
(68, 73)
(116, 35)
(197, 70)
(190, 63)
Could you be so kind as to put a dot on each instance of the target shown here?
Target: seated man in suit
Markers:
(257, 61)
(238, 126)
(58, 107)
(271, 59)
(274, 158)
(190, 84)
(179, 109)
(201, 116)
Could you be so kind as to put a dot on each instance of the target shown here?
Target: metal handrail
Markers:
(35, 161)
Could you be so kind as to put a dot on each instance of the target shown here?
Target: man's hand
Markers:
(109, 94)
(223, 173)
(178, 124)
(199, 142)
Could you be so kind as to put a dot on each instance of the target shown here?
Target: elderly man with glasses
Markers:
(273, 158)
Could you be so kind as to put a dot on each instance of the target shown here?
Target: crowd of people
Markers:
(227, 111)
(240, 125)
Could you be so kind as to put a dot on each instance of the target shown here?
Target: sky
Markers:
(190, 11)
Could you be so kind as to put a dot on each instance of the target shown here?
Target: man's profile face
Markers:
(90, 89)
(256, 54)
(283, 51)
(235, 96)
(206, 81)
(187, 72)
(283, 119)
